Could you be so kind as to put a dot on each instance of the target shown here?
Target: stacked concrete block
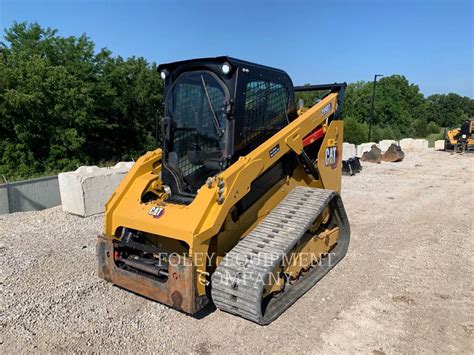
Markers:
(406, 144)
(364, 147)
(348, 151)
(385, 144)
(85, 191)
(420, 144)
(413, 144)
(439, 144)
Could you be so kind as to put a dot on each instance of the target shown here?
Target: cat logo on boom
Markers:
(330, 157)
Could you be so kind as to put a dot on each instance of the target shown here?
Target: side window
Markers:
(266, 104)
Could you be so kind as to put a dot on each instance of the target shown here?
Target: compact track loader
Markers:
(241, 205)
(461, 139)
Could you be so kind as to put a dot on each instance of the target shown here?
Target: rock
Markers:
(372, 156)
(393, 154)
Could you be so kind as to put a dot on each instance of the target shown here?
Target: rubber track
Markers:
(238, 282)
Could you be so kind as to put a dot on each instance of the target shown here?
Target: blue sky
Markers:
(428, 41)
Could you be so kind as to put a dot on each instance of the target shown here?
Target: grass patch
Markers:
(431, 138)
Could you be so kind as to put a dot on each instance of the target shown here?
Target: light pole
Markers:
(373, 105)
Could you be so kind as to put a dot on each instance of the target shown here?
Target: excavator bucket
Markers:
(372, 156)
(351, 166)
(393, 154)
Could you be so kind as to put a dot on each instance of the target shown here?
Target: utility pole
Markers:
(372, 109)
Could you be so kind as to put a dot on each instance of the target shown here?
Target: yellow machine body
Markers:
(206, 225)
(461, 139)
(450, 137)
(242, 173)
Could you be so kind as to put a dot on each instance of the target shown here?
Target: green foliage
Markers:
(449, 110)
(418, 128)
(310, 97)
(386, 132)
(355, 131)
(432, 128)
(431, 138)
(63, 105)
(401, 110)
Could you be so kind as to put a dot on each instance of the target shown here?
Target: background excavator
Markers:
(241, 206)
(461, 139)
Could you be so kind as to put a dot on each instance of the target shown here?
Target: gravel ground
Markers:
(406, 284)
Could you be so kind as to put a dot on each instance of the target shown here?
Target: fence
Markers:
(29, 195)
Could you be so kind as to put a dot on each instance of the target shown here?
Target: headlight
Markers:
(225, 68)
(163, 75)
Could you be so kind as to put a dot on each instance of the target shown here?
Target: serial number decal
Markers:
(156, 211)
(274, 150)
(330, 157)
(326, 109)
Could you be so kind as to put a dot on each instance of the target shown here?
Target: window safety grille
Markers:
(192, 115)
(266, 106)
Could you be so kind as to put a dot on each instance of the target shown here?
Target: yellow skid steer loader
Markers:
(241, 206)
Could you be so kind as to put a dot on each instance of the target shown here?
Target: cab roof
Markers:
(233, 61)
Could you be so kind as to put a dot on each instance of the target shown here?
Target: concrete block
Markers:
(406, 143)
(419, 144)
(413, 144)
(385, 144)
(364, 147)
(85, 191)
(348, 151)
(439, 144)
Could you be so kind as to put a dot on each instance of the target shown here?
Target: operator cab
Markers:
(216, 110)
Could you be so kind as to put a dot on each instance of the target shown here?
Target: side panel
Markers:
(330, 157)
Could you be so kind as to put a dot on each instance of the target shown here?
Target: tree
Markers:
(357, 101)
(432, 128)
(354, 131)
(449, 110)
(63, 105)
(309, 97)
(398, 103)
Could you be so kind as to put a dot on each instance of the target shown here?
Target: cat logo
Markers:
(156, 212)
(330, 157)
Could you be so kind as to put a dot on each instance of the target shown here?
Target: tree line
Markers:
(401, 110)
(64, 104)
